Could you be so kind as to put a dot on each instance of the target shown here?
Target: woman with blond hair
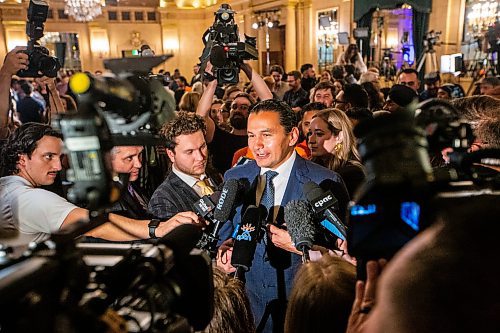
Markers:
(333, 145)
(189, 101)
(321, 297)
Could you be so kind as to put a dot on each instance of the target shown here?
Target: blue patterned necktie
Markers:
(267, 199)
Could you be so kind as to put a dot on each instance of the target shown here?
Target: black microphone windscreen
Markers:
(226, 201)
(300, 224)
(182, 239)
(246, 239)
(312, 191)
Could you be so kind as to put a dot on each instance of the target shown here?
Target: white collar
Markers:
(285, 167)
(188, 179)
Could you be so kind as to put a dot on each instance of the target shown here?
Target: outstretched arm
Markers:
(258, 83)
(14, 61)
(205, 104)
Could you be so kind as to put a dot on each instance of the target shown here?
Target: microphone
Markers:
(246, 241)
(205, 206)
(323, 204)
(299, 222)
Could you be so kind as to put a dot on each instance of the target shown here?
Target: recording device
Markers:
(299, 222)
(395, 202)
(92, 287)
(224, 49)
(40, 62)
(388, 209)
(431, 38)
(127, 108)
(218, 212)
(324, 204)
(246, 240)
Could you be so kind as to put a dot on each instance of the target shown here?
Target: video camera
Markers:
(402, 188)
(62, 287)
(224, 49)
(40, 62)
(431, 39)
(127, 108)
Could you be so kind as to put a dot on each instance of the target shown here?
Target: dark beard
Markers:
(238, 123)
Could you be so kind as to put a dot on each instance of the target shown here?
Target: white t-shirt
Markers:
(28, 213)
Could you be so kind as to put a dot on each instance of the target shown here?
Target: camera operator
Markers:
(14, 61)
(224, 144)
(436, 283)
(127, 160)
(30, 158)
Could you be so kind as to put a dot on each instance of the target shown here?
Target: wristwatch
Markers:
(152, 225)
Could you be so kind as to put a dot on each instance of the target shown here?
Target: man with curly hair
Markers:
(31, 158)
(187, 150)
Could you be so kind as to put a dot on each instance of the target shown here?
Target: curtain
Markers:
(361, 7)
(420, 22)
(366, 22)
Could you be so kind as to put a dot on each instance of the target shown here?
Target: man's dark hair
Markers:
(184, 123)
(288, 118)
(305, 67)
(277, 68)
(350, 69)
(408, 71)
(296, 75)
(314, 106)
(324, 85)
(248, 97)
(23, 140)
(355, 95)
(27, 88)
(183, 80)
(338, 72)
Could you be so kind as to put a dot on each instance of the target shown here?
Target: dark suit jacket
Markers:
(273, 269)
(129, 206)
(171, 197)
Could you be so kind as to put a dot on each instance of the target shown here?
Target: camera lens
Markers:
(228, 75)
(49, 66)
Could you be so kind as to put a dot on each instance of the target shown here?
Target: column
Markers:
(291, 37)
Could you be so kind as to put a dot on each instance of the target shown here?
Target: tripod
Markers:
(429, 59)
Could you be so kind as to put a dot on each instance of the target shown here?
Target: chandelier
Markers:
(194, 4)
(83, 10)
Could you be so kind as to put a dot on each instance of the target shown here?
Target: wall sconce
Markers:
(170, 45)
(99, 42)
(15, 38)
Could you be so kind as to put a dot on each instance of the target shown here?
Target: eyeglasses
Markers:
(243, 107)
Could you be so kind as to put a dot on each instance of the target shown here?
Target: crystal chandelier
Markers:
(83, 10)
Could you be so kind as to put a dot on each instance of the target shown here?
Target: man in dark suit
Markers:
(188, 181)
(272, 135)
(127, 161)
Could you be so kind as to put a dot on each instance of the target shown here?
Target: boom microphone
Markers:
(323, 204)
(299, 222)
(246, 241)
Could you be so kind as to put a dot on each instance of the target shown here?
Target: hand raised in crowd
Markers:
(224, 255)
(15, 61)
(177, 220)
(281, 238)
(47, 83)
(365, 297)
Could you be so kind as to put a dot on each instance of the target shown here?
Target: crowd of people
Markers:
(275, 133)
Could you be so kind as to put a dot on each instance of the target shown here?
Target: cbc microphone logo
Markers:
(320, 203)
(247, 229)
